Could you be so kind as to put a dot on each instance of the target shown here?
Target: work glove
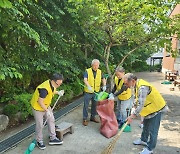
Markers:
(48, 114)
(104, 88)
(61, 92)
(90, 88)
(111, 96)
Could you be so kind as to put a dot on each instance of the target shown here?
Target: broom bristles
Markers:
(110, 147)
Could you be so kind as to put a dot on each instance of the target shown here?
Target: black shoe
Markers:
(40, 145)
(120, 124)
(56, 141)
(56, 127)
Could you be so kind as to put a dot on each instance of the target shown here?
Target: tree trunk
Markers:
(106, 57)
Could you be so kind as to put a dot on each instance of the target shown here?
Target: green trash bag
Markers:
(101, 96)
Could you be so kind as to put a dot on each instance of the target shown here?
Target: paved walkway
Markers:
(88, 140)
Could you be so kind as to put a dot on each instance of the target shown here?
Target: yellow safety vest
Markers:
(125, 95)
(94, 83)
(154, 101)
(47, 100)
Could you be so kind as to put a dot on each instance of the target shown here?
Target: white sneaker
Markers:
(146, 151)
(139, 142)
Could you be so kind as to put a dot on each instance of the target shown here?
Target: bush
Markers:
(68, 92)
(138, 66)
(76, 87)
(156, 67)
(24, 105)
(10, 110)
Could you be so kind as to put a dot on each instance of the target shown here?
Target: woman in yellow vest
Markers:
(124, 103)
(40, 103)
(150, 105)
(92, 81)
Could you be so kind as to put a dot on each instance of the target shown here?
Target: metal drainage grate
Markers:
(20, 136)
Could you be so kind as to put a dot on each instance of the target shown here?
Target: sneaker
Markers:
(56, 127)
(41, 145)
(139, 142)
(141, 125)
(120, 124)
(95, 120)
(85, 122)
(56, 141)
(146, 151)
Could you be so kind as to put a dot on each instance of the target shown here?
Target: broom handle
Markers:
(52, 109)
(86, 86)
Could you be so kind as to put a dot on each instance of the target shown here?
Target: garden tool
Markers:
(33, 143)
(109, 148)
(128, 127)
(98, 96)
(86, 86)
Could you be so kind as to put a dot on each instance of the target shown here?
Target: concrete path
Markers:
(88, 140)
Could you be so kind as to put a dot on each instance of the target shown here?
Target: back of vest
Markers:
(154, 101)
(47, 100)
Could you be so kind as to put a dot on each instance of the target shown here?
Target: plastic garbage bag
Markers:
(109, 125)
(101, 96)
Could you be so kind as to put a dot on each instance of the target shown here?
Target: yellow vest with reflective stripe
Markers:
(125, 95)
(94, 83)
(47, 100)
(154, 101)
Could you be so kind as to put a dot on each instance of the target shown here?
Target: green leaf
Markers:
(5, 4)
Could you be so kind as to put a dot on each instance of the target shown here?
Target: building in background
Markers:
(169, 63)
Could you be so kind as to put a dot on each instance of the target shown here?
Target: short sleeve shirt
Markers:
(43, 92)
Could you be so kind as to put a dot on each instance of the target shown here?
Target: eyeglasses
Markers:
(56, 83)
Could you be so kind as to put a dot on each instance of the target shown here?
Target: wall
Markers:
(168, 63)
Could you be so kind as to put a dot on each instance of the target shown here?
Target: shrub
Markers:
(68, 92)
(10, 110)
(76, 87)
(24, 105)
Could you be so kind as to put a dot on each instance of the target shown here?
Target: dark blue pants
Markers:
(150, 129)
(87, 98)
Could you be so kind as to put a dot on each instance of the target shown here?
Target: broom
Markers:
(110, 147)
(33, 143)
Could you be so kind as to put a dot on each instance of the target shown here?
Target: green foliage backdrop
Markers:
(38, 38)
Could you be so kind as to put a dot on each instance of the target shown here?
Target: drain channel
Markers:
(22, 135)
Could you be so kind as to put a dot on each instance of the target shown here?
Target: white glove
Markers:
(90, 88)
(48, 113)
(111, 96)
(104, 88)
(61, 92)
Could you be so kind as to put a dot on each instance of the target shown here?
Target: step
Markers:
(64, 128)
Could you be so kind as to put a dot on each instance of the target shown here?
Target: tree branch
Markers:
(130, 52)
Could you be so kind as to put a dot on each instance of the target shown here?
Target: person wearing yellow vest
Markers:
(40, 103)
(150, 105)
(124, 103)
(92, 79)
